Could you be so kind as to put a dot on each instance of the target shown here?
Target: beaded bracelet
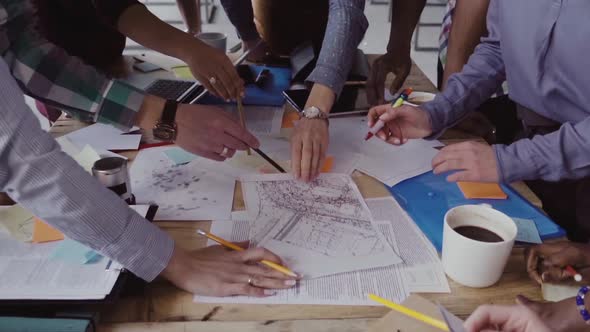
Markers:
(581, 305)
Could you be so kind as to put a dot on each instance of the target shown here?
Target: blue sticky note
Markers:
(527, 231)
(179, 156)
(21, 324)
(75, 252)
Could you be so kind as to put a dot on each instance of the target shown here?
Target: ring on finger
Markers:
(212, 80)
(250, 281)
(224, 152)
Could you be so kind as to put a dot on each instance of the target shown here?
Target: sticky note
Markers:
(328, 164)
(179, 156)
(481, 190)
(527, 231)
(74, 252)
(183, 72)
(289, 119)
(45, 233)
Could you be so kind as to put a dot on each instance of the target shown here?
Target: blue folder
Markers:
(269, 95)
(428, 197)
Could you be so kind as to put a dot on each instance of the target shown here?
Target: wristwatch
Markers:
(166, 129)
(313, 112)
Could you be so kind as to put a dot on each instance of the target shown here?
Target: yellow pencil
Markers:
(242, 118)
(412, 313)
(233, 246)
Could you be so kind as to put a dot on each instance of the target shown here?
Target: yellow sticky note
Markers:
(481, 190)
(45, 233)
(183, 72)
(328, 164)
(18, 221)
(289, 119)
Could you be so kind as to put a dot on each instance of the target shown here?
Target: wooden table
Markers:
(165, 307)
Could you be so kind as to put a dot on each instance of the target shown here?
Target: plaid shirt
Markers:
(47, 73)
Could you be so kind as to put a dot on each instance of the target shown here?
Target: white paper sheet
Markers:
(341, 289)
(260, 120)
(200, 190)
(387, 163)
(423, 271)
(27, 271)
(318, 228)
(104, 136)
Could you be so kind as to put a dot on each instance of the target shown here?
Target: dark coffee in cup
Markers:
(478, 234)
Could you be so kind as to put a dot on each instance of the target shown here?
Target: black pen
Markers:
(270, 161)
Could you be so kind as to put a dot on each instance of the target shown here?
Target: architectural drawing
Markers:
(319, 228)
(198, 190)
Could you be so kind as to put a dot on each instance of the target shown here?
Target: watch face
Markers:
(312, 112)
(165, 132)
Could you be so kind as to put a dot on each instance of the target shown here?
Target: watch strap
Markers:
(169, 113)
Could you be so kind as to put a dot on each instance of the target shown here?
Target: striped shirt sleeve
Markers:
(47, 73)
(38, 175)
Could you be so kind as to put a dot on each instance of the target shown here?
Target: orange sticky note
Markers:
(328, 164)
(289, 119)
(45, 233)
(481, 190)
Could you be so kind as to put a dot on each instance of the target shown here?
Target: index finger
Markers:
(235, 84)
(532, 264)
(376, 84)
(257, 255)
(376, 113)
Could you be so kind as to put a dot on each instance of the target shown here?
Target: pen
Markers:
(572, 272)
(235, 247)
(380, 124)
(411, 313)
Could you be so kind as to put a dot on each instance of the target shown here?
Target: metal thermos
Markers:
(112, 172)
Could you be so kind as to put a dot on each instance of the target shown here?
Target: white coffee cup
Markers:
(216, 40)
(475, 263)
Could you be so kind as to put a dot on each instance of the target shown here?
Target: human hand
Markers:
(216, 271)
(562, 316)
(401, 123)
(399, 63)
(516, 318)
(547, 262)
(309, 143)
(207, 62)
(474, 162)
(209, 131)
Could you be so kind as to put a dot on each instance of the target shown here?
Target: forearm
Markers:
(404, 18)
(35, 173)
(139, 24)
(564, 154)
(469, 25)
(479, 79)
(345, 30)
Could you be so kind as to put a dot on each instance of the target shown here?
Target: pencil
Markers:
(411, 313)
(242, 118)
(235, 247)
(270, 161)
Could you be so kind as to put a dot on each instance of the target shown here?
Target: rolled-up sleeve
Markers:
(47, 73)
(480, 78)
(346, 28)
(37, 174)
